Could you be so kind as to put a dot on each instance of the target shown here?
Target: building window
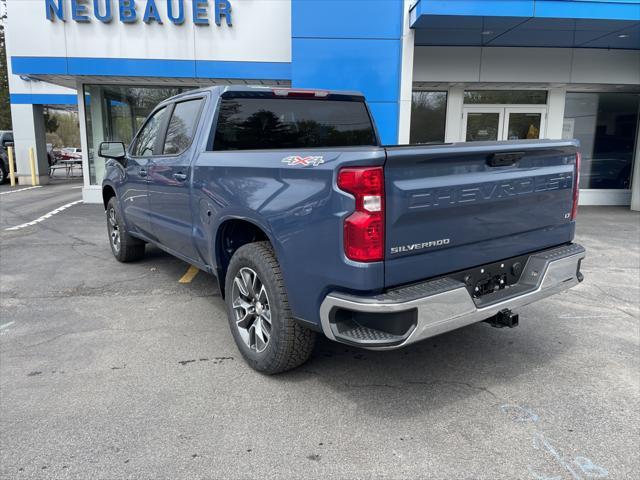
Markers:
(428, 115)
(115, 113)
(606, 125)
(513, 97)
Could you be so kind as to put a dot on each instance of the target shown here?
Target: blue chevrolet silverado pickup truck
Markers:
(311, 226)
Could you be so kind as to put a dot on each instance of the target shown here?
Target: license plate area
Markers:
(492, 277)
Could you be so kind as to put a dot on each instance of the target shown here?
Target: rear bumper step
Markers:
(409, 314)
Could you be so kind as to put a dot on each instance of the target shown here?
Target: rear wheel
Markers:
(262, 324)
(123, 246)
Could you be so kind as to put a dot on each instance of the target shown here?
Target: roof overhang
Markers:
(67, 71)
(528, 23)
(72, 81)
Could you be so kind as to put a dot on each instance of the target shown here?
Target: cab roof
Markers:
(248, 90)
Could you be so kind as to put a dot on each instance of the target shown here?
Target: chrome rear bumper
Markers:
(441, 305)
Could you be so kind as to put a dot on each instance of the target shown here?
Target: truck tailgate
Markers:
(456, 206)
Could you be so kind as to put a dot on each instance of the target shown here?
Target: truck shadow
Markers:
(476, 361)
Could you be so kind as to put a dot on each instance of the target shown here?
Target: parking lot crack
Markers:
(75, 245)
(430, 383)
(106, 329)
(49, 340)
(608, 294)
(372, 385)
(451, 382)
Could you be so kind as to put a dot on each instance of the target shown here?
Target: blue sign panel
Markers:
(130, 11)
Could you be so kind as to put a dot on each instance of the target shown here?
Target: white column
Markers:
(97, 131)
(84, 144)
(29, 131)
(453, 125)
(555, 112)
(406, 76)
(92, 165)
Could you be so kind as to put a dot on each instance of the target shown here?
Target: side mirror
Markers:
(114, 150)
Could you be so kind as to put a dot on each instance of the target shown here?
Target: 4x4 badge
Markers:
(304, 161)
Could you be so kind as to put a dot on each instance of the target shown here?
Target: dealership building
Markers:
(431, 70)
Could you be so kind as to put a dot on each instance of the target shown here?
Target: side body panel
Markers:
(299, 209)
(133, 194)
(170, 191)
(170, 203)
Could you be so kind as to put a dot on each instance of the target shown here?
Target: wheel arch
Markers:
(108, 192)
(231, 234)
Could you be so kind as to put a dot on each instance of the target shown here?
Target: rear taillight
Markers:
(364, 228)
(576, 187)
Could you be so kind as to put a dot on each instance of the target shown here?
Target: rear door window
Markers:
(148, 136)
(182, 126)
(269, 123)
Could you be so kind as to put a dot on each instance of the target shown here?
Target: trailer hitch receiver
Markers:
(504, 318)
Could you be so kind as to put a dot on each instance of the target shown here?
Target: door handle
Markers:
(181, 177)
(142, 172)
(505, 159)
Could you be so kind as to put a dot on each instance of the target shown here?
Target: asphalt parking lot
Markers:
(120, 371)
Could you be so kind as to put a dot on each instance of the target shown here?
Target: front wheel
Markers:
(263, 327)
(123, 246)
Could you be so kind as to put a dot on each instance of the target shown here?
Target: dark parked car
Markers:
(6, 139)
(4, 165)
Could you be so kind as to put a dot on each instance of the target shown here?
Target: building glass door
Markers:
(503, 123)
(524, 123)
(483, 123)
(504, 115)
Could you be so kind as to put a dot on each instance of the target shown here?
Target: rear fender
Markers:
(243, 215)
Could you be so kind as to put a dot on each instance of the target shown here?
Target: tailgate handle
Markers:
(504, 159)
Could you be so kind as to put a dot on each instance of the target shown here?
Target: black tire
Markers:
(127, 248)
(290, 344)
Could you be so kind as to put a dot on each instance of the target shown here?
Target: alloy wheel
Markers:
(251, 309)
(114, 230)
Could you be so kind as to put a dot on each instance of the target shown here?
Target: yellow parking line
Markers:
(189, 275)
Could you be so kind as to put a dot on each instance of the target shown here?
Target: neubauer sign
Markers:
(130, 11)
